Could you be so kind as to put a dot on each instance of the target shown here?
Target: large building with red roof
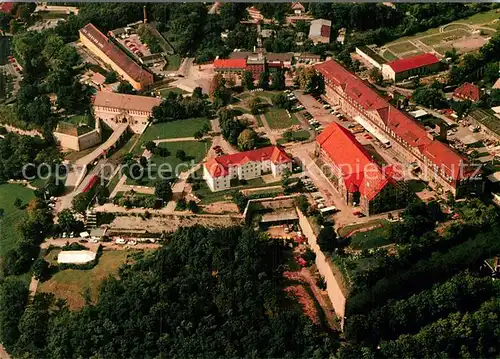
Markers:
(435, 162)
(219, 171)
(416, 65)
(355, 175)
(119, 61)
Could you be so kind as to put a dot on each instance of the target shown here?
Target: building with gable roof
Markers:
(104, 48)
(219, 171)
(355, 175)
(434, 161)
(415, 65)
(467, 91)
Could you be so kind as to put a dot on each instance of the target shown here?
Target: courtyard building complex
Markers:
(432, 160)
(116, 109)
(219, 171)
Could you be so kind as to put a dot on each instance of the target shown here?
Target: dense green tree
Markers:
(163, 190)
(125, 87)
(13, 299)
(278, 80)
(247, 80)
(281, 100)
(206, 275)
(264, 80)
(40, 269)
(429, 97)
(66, 220)
(247, 139)
(111, 77)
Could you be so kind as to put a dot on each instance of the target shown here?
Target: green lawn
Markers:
(70, 284)
(344, 231)
(174, 129)
(174, 61)
(389, 56)
(12, 216)
(402, 47)
(164, 92)
(302, 135)
(436, 39)
(374, 238)
(278, 118)
(481, 18)
(195, 151)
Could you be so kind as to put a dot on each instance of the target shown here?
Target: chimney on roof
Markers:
(144, 12)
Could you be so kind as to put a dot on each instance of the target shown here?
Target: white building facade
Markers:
(218, 172)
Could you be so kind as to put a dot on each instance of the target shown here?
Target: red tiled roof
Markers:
(116, 55)
(230, 63)
(219, 166)
(6, 7)
(413, 62)
(359, 171)
(325, 31)
(402, 125)
(467, 91)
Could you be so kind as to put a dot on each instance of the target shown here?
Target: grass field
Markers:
(71, 284)
(164, 92)
(174, 61)
(447, 36)
(195, 150)
(174, 129)
(374, 238)
(278, 118)
(389, 56)
(344, 231)
(455, 27)
(12, 216)
(481, 18)
(296, 136)
(402, 47)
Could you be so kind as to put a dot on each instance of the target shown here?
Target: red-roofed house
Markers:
(437, 163)
(119, 61)
(416, 65)
(355, 175)
(467, 91)
(219, 171)
(230, 66)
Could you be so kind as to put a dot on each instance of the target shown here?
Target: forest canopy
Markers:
(207, 293)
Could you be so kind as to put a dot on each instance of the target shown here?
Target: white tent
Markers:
(76, 257)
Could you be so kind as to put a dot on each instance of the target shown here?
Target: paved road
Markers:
(110, 142)
(333, 288)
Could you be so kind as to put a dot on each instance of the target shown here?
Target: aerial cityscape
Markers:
(266, 180)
